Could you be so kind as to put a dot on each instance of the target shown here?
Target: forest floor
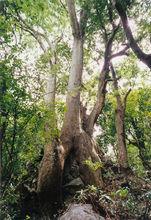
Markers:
(123, 197)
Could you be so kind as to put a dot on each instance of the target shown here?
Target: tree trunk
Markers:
(86, 149)
(2, 136)
(74, 139)
(121, 143)
(119, 122)
(3, 125)
(50, 90)
(50, 170)
(49, 177)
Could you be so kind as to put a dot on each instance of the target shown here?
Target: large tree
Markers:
(75, 144)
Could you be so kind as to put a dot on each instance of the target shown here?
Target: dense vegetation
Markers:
(75, 121)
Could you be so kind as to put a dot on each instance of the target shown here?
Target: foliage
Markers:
(94, 166)
(118, 205)
(121, 193)
(136, 125)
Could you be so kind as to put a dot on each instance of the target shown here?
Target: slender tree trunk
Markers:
(2, 135)
(2, 125)
(122, 151)
(120, 126)
(50, 90)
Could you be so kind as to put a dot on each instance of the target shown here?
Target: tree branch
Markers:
(123, 52)
(116, 88)
(83, 22)
(99, 104)
(118, 97)
(36, 34)
(145, 58)
(125, 98)
(73, 18)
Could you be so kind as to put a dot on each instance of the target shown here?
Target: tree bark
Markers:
(50, 90)
(119, 122)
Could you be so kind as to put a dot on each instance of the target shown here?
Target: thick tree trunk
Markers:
(50, 174)
(72, 117)
(73, 137)
(86, 149)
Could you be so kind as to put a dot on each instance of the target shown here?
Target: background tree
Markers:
(120, 122)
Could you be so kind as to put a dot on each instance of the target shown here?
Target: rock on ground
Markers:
(80, 212)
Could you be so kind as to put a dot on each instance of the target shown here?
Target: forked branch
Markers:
(145, 58)
(98, 106)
